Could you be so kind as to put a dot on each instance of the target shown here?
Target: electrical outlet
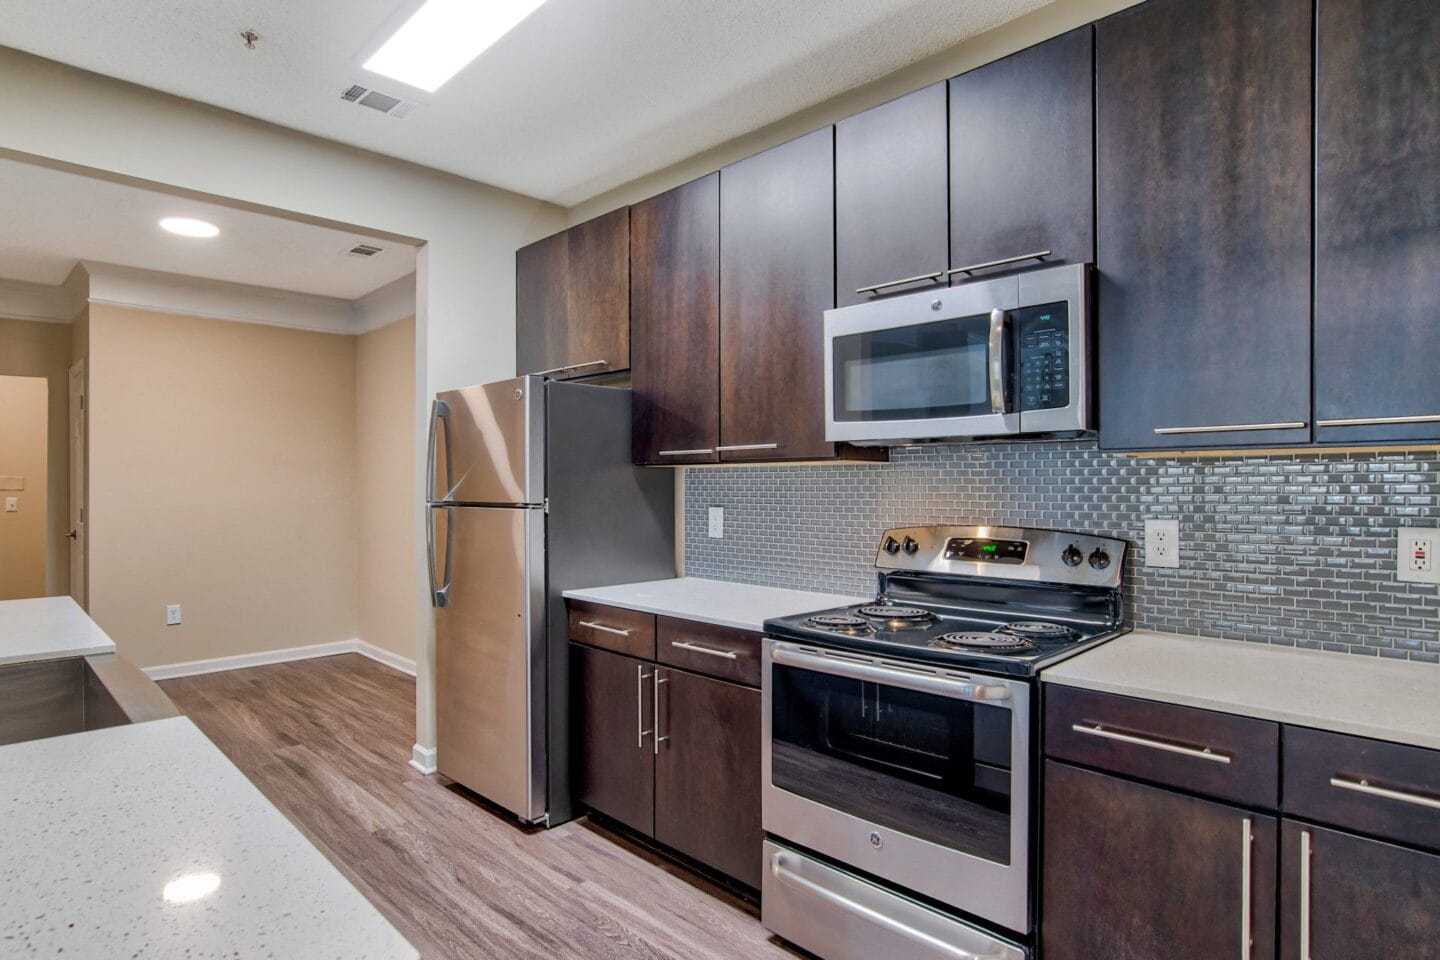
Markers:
(717, 523)
(12, 504)
(1415, 555)
(172, 614)
(1162, 543)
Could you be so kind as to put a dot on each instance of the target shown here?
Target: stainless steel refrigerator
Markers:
(531, 493)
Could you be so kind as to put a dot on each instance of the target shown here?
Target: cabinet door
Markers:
(1377, 210)
(707, 773)
(777, 278)
(1131, 872)
(612, 726)
(540, 295)
(1344, 896)
(675, 324)
(890, 186)
(1022, 160)
(1203, 223)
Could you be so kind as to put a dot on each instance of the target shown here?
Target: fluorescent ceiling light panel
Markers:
(443, 36)
(187, 227)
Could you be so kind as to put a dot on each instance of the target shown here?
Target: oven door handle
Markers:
(891, 676)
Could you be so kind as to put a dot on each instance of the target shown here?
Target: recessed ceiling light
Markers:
(188, 227)
(443, 36)
(190, 887)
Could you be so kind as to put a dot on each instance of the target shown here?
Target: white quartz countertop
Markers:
(743, 606)
(1391, 700)
(98, 825)
(48, 628)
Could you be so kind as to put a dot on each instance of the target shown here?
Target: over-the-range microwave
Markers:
(1001, 357)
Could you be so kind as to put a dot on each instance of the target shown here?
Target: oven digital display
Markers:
(986, 551)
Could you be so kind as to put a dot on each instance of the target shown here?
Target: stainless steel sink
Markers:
(50, 698)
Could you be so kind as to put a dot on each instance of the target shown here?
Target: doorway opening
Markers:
(24, 463)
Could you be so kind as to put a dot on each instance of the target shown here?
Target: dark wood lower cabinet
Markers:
(612, 727)
(1132, 872)
(707, 773)
(1365, 898)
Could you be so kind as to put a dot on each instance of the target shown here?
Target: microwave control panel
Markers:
(1043, 333)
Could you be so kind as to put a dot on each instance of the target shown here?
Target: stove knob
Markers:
(910, 546)
(1099, 559)
(892, 546)
(1072, 556)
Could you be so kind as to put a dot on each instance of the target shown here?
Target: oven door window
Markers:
(932, 767)
(920, 372)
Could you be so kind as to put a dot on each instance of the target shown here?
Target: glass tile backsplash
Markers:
(1293, 549)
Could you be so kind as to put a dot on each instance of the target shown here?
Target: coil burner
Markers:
(840, 623)
(1038, 630)
(997, 642)
(896, 615)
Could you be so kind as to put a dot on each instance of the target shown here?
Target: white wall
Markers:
(465, 314)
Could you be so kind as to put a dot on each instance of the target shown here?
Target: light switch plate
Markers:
(717, 523)
(1415, 560)
(12, 504)
(1162, 543)
(172, 614)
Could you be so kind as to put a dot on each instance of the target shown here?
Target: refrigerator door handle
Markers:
(440, 595)
(439, 410)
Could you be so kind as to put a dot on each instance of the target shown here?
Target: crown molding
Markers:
(20, 300)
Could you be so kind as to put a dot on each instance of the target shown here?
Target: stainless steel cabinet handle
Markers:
(687, 645)
(749, 446)
(1234, 427)
(1247, 840)
(658, 680)
(1375, 421)
(1366, 787)
(640, 677)
(686, 453)
(1038, 255)
(998, 366)
(1200, 753)
(571, 366)
(1304, 895)
(785, 875)
(877, 287)
(604, 629)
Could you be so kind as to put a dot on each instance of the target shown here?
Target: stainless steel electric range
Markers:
(900, 739)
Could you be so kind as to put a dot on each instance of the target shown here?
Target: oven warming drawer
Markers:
(840, 916)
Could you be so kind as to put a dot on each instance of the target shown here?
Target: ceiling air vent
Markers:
(365, 250)
(352, 93)
(379, 102)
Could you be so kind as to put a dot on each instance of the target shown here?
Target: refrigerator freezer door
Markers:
(487, 444)
(490, 654)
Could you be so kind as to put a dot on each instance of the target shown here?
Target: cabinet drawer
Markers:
(1233, 758)
(1385, 789)
(722, 652)
(612, 628)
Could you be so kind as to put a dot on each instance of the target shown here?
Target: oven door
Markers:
(915, 774)
(928, 365)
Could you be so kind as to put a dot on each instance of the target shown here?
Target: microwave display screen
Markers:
(928, 370)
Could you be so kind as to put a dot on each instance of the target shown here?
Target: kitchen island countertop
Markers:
(48, 628)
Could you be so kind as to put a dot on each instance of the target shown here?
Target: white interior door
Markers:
(77, 535)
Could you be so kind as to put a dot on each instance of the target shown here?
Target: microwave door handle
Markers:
(999, 362)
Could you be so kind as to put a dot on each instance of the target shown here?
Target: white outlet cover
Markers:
(1412, 558)
(172, 614)
(717, 523)
(1162, 543)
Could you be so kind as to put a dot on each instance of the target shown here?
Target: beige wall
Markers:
(24, 428)
(384, 436)
(29, 348)
(222, 458)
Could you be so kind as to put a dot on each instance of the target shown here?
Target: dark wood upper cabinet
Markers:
(613, 727)
(675, 324)
(1377, 221)
(777, 278)
(891, 221)
(572, 299)
(707, 773)
(1203, 223)
(1132, 872)
(1022, 161)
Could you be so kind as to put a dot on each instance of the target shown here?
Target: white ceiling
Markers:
(52, 219)
(583, 96)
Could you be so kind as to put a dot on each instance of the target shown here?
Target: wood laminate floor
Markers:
(327, 741)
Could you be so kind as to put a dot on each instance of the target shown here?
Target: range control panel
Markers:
(1009, 553)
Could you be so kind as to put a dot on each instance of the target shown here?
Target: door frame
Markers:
(78, 535)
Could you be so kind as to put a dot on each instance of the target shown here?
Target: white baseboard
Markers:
(423, 759)
(192, 668)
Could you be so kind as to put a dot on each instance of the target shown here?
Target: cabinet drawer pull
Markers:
(877, 287)
(1234, 427)
(695, 647)
(1304, 895)
(1247, 840)
(1038, 255)
(686, 453)
(604, 629)
(571, 366)
(1366, 787)
(640, 677)
(1200, 753)
(1378, 421)
(658, 680)
(749, 446)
